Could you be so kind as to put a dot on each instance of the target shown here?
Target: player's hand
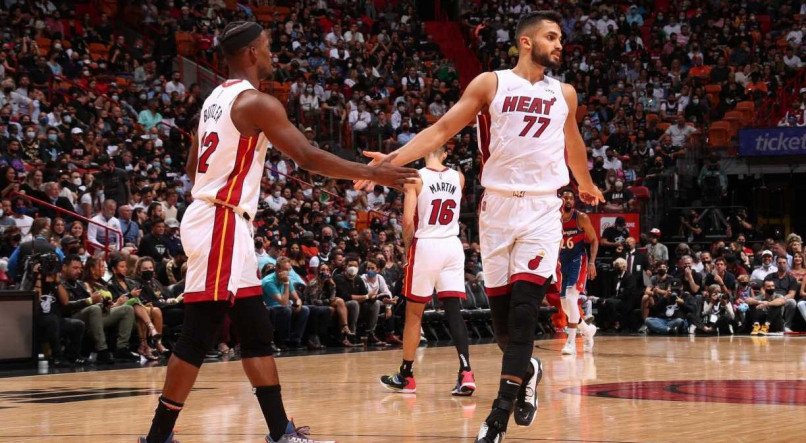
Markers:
(591, 271)
(367, 185)
(387, 174)
(591, 195)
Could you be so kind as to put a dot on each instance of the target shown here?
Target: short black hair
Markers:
(528, 20)
(238, 35)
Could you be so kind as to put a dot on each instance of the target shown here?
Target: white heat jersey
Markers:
(522, 136)
(230, 165)
(437, 214)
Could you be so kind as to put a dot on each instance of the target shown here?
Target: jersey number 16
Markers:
(441, 211)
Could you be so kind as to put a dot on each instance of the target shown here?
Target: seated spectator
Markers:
(100, 239)
(321, 291)
(289, 315)
(91, 302)
(350, 286)
(766, 310)
(766, 268)
(787, 285)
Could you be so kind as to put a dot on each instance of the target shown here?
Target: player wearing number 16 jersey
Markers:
(435, 261)
(576, 267)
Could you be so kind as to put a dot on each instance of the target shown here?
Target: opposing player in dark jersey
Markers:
(576, 268)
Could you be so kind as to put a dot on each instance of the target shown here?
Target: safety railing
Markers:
(76, 216)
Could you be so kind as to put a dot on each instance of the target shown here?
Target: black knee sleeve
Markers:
(499, 313)
(523, 311)
(199, 330)
(250, 317)
(456, 324)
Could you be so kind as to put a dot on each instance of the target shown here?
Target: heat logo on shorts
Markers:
(535, 262)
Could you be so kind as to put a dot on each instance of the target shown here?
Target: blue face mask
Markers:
(372, 274)
(52, 137)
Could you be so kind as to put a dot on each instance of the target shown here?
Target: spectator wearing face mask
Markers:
(766, 310)
(351, 287)
(784, 283)
(619, 199)
(766, 268)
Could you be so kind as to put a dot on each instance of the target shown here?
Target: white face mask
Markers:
(352, 270)
(77, 181)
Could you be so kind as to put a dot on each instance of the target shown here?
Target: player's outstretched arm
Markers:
(265, 113)
(193, 159)
(479, 93)
(576, 153)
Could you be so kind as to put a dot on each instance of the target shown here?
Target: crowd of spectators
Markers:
(96, 123)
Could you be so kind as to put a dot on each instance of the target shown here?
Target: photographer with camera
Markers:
(717, 311)
(42, 276)
(321, 291)
(666, 307)
(39, 244)
(92, 304)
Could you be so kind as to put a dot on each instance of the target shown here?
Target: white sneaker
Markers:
(487, 435)
(570, 348)
(692, 329)
(587, 345)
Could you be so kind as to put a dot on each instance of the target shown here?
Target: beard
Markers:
(544, 59)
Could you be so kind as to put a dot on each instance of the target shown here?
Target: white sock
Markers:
(572, 334)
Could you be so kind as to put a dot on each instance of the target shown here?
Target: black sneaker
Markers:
(104, 358)
(169, 440)
(526, 403)
(399, 383)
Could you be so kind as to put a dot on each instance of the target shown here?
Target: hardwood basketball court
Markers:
(632, 389)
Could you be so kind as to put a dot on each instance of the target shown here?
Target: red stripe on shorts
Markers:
(525, 276)
(451, 294)
(249, 292)
(409, 271)
(224, 271)
(497, 291)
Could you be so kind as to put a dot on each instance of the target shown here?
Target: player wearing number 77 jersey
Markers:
(528, 133)
(435, 259)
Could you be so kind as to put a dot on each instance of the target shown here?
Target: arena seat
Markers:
(748, 110)
(735, 119)
(719, 134)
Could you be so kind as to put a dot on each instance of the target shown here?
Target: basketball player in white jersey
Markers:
(435, 260)
(235, 125)
(528, 134)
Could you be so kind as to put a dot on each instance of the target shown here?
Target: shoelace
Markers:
(301, 434)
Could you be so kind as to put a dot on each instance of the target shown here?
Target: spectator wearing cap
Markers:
(99, 238)
(172, 240)
(128, 227)
(657, 252)
(613, 236)
(115, 181)
(69, 245)
(766, 268)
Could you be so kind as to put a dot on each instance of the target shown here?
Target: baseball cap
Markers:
(76, 131)
(68, 240)
(172, 223)
(655, 231)
(766, 252)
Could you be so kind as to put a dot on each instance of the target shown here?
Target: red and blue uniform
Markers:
(573, 255)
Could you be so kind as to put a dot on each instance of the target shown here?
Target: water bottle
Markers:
(42, 364)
